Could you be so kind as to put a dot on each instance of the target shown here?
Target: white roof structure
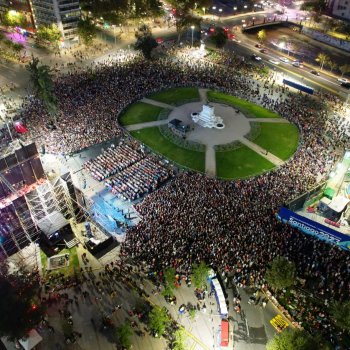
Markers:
(339, 203)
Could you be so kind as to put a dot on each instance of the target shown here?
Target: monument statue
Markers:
(207, 118)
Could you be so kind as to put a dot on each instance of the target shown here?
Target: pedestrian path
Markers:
(267, 155)
(146, 125)
(203, 95)
(157, 103)
(210, 160)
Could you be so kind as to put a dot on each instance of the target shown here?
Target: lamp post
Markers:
(192, 27)
(220, 12)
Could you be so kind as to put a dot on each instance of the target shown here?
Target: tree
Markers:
(19, 306)
(87, 31)
(41, 78)
(158, 320)
(183, 22)
(219, 38)
(341, 314)
(261, 35)
(145, 41)
(180, 340)
(322, 58)
(49, 33)
(199, 274)
(294, 339)
(169, 277)
(345, 68)
(332, 65)
(281, 273)
(124, 332)
(14, 18)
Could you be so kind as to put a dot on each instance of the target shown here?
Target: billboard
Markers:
(314, 228)
(298, 86)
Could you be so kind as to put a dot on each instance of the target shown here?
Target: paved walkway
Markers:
(157, 103)
(267, 155)
(203, 95)
(210, 160)
(146, 125)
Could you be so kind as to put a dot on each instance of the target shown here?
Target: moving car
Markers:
(315, 72)
(297, 64)
(263, 50)
(346, 85)
(343, 80)
(273, 61)
(258, 46)
(284, 59)
(256, 58)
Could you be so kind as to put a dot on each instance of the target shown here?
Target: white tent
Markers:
(33, 339)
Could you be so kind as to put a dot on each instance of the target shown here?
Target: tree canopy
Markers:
(19, 307)
(14, 19)
(219, 38)
(281, 273)
(261, 35)
(50, 33)
(294, 339)
(87, 31)
(199, 274)
(124, 332)
(341, 314)
(145, 41)
(41, 78)
(158, 320)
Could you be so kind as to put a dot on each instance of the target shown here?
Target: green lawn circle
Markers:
(279, 138)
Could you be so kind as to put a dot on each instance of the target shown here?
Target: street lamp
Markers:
(220, 12)
(192, 27)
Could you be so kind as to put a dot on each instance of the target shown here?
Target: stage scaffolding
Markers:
(22, 216)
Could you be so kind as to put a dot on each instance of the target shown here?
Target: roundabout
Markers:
(227, 137)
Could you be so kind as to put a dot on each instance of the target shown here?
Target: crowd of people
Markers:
(129, 172)
(140, 178)
(114, 159)
(230, 225)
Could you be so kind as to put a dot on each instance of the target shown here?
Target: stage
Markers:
(113, 214)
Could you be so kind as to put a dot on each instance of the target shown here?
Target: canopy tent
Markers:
(33, 339)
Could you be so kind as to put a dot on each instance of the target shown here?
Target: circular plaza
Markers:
(250, 140)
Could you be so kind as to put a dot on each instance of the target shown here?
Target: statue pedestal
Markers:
(207, 118)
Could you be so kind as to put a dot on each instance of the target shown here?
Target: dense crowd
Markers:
(231, 225)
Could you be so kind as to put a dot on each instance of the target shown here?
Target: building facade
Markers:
(340, 9)
(65, 13)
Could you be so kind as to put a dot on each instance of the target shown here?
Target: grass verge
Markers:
(251, 110)
(279, 139)
(140, 112)
(176, 96)
(240, 163)
(153, 138)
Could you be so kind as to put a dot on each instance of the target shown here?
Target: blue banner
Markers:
(314, 228)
